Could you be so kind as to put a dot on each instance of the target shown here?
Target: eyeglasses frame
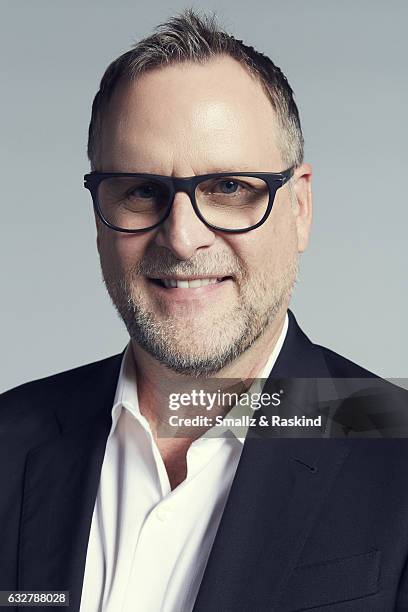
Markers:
(188, 185)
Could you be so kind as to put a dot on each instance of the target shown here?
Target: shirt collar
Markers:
(126, 395)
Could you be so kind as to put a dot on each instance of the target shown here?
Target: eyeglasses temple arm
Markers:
(287, 174)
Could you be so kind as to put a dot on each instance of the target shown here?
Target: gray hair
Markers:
(189, 37)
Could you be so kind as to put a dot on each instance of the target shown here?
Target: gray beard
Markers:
(259, 303)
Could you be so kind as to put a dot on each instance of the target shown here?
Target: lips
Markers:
(186, 283)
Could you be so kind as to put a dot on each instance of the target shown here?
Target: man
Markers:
(202, 205)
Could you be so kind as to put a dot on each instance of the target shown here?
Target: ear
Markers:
(302, 188)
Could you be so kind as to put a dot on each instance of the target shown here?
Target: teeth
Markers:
(185, 284)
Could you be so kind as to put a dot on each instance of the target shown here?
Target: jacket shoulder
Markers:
(35, 389)
(370, 406)
(341, 367)
(27, 409)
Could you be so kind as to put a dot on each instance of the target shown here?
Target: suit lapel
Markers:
(61, 483)
(275, 498)
(274, 501)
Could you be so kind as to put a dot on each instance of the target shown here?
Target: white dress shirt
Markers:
(148, 544)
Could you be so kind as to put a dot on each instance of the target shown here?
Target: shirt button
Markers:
(161, 515)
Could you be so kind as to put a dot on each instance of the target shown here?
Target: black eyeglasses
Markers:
(230, 202)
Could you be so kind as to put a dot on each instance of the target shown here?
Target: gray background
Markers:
(347, 64)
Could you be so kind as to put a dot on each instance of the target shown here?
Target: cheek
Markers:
(270, 247)
(280, 238)
(120, 251)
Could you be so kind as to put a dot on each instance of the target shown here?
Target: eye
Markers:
(228, 186)
(144, 192)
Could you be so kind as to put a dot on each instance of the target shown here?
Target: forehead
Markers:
(201, 115)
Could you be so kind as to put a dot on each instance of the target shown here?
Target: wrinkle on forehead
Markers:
(191, 115)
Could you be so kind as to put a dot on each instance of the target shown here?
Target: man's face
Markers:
(187, 120)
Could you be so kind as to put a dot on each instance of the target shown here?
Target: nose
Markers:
(183, 233)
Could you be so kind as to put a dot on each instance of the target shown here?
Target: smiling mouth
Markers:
(188, 283)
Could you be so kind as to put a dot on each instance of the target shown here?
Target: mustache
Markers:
(166, 264)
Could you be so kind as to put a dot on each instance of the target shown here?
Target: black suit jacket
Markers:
(310, 524)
